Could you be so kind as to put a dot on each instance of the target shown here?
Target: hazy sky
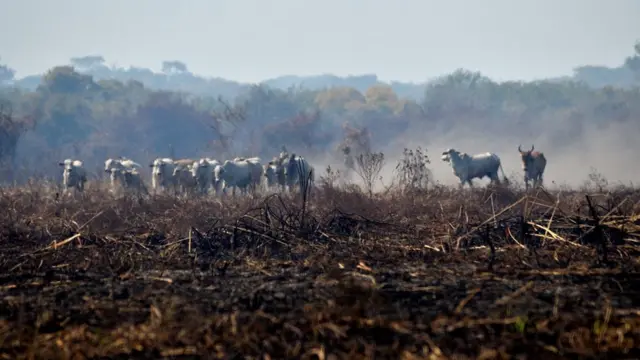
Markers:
(252, 40)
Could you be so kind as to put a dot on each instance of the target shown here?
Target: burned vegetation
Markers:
(435, 273)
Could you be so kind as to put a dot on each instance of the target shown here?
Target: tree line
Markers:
(73, 114)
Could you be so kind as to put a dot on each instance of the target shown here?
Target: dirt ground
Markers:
(431, 276)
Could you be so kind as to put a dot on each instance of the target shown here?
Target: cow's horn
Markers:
(531, 147)
(520, 148)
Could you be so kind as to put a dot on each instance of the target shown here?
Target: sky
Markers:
(254, 40)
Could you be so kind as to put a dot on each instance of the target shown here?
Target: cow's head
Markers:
(448, 154)
(110, 164)
(69, 170)
(269, 169)
(526, 157)
(66, 164)
(199, 167)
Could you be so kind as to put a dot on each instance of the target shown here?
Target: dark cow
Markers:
(533, 164)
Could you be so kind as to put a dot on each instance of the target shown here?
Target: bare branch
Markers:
(368, 167)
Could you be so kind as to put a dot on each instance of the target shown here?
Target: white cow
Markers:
(298, 171)
(217, 181)
(162, 173)
(241, 173)
(203, 171)
(73, 175)
(128, 179)
(215, 168)
(274, 171)
(120, 164)
(182, 175)
(467, 167)
(256, 169)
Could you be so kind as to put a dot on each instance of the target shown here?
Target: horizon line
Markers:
(317, 75)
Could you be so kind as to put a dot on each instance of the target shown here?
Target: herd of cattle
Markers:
(189, 176)
(285, 171)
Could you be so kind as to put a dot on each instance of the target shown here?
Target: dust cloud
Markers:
(609, 151)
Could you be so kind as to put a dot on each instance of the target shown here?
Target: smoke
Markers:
(610, 151)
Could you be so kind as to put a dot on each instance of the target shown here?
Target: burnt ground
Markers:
(348, 282)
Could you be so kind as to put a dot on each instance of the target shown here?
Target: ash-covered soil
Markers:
(373, 278)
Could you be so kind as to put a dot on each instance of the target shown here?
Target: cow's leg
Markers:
(494, 178)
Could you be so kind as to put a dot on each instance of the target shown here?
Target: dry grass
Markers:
(489, 273)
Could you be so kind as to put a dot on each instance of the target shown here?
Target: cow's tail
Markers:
(506, 180)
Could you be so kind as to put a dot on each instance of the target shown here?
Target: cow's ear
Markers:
(150, 165)
(61, 164)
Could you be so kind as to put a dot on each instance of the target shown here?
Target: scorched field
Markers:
(448, 273)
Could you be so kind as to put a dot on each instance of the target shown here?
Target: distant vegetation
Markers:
(89, 110)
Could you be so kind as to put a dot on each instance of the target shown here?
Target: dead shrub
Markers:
(412, 170)
(36, 214)
(368, 167)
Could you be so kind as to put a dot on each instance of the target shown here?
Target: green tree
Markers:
(339, 99)
(171, 67)
(64, 79)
